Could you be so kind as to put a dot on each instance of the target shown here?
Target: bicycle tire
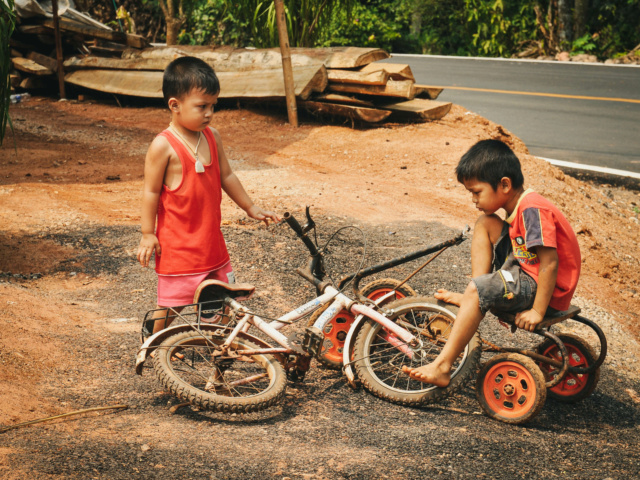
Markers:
(379, 364)
(573, 387)
(228, 384)
(335, 331)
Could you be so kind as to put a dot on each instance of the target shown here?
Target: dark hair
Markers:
(186, 73)
(489, 161)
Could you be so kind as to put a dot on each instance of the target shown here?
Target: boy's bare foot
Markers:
(431, 374)
(446, 296)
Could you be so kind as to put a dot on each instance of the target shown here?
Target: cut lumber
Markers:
(419, 109)
(263, 84)
(227, 58)
(369, 115)
(15, 53)
(93, 32)
(393, 88)
(380, 77)
(344, 99)
(36, 83)
(14, 80)
(48, 62)
(424, 91)
(397, 71)
(29, 66)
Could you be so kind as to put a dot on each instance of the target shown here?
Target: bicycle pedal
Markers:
(313, 339)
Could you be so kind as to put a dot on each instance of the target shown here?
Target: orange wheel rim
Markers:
(572, 383)
(335, 333)
(379, 292)
(509, 390)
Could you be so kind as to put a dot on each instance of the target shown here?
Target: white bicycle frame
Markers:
(396, 335)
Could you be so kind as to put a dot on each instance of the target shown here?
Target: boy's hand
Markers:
(148, 244)
(528, 319)
(257, 213)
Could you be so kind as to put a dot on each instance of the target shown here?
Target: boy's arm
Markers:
(155, 165)
(547, 276)
(231, 185)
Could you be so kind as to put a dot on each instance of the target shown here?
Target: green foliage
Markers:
(7, 24)
(253, 22)
(584, 44)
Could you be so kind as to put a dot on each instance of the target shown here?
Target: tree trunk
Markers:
(564, 24)
(173, 30)
(580, 15)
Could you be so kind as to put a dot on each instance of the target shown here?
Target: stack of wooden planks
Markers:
(347, 82)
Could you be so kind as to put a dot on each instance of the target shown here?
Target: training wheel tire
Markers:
(573, 387)
(335, 332)
(511, 388)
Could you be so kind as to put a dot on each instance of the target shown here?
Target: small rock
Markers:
(586, 58)
(145, 448)
(563, 57)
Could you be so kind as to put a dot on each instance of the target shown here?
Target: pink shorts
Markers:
(176, 290)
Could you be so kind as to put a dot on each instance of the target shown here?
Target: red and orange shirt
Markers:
(537, 222)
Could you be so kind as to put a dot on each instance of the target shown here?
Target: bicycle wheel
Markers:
(335, 332)
(379, 363)
(510, 388)
(190, 365)
(573, 387)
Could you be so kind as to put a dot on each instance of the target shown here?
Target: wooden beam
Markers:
(29, 66)
(397, 71)
(344, 99)
(369, 115)
(424, 91)
(379, 77)
(43, 60)
(287, 69)
(231, 58)
(59, 57)
(393, 88)
(419, 109)
(148, 84)
(119, 37)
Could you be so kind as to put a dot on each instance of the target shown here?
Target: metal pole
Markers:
(59, 57)
(287, 69)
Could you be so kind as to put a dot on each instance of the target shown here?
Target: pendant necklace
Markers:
(199, 165)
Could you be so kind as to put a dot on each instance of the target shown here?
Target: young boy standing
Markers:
(185, 172)
(527, 264)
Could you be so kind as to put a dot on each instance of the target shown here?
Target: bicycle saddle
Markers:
(215, 290)
(547, 321)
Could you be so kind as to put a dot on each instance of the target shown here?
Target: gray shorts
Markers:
(508, 288)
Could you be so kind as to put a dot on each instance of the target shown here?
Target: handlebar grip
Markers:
(293, 223)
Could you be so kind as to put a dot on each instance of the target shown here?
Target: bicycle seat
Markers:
(547, 321)
(215, 290)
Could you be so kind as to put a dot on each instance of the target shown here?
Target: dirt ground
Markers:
(73, 299)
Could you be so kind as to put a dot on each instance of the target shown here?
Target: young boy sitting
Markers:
(185, 170)
(528, 264)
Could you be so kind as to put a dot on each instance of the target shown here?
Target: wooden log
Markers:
(48, 62)
(393, 88)
(14, 80)
(397, 71)
(29, 66)
(424, 91)
(135, 41)
(34, 29)
(379, 77)
(418, 109)
(369, 115)
(344, 99)
(148, 84)
(15, 53)
(36, 83)
(227, 58)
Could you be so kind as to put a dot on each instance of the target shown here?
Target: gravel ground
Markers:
(322, 429)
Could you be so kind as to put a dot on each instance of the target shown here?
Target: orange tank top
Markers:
(189, 216)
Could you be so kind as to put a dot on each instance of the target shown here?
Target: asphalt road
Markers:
(574, 112)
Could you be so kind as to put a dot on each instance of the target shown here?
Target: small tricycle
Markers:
(513, 386)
